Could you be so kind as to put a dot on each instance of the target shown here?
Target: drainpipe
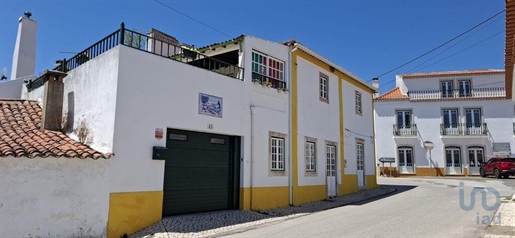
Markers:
(251, 154)
(290, 136)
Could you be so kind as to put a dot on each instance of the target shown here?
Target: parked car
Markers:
(498, 167)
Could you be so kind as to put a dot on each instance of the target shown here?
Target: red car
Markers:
(498, 167)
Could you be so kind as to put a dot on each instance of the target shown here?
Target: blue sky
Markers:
(366, 37)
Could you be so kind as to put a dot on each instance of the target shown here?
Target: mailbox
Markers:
(159, 153)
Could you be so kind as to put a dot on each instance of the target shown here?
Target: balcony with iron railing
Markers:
(457, 94)
(463, 129)
(405, 130)
(148, 44)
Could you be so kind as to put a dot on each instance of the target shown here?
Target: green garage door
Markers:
(201, 173)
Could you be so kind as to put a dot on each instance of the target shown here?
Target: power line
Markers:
(198, 21)
(473, 33)
(447, 42)
(454, 54)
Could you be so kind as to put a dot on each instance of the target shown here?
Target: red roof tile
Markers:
(392, 95)
(20, 134)
(454, 73)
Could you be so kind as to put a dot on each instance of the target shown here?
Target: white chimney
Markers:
(24, 57)
(375, 84)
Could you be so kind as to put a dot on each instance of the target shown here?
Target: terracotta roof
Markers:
(453, 73)
(509, 55)
(392, 95)
(20, 135)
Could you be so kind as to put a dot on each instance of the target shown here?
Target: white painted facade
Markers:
(428, 117)
(36, 199)
(13, 88)
(125, 94)
(358, 127)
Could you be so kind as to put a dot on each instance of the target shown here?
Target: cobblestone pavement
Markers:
(217, 223)
(503, 222)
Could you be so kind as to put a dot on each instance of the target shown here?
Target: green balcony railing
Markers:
(148, 44)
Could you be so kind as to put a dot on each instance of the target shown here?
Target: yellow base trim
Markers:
(349, 184)
(264, 198)
(371, 181)
(306, 194)
(131, 212)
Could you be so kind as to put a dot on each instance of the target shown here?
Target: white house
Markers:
(465, 114)
(242, 124)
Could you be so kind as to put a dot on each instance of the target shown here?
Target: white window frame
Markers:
(277, 154)
(268, 70)
(331, 155)
(323, 88)
(359, 105)
(311, 156)
(360, 155)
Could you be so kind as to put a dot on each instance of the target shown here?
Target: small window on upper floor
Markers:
(324, 88)
(267, 69)
(464, 88)
(358, 103)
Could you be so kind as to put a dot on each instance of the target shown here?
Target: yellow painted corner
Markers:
(349, 184)
(133, 211)
(306, 194)
(245, 198)
(371, 181)
(264, 198)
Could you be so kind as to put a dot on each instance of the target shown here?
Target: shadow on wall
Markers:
(71, 110)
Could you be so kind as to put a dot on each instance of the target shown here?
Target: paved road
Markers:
(421, 208)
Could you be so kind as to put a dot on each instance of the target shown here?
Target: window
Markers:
(447, 88)
(331, 160)
(450, 118)
(452, 156)
(464, 88)
(476, 156)
(310, 156)
(324, 88)
(277, 149)
(473, 117)
(403, 119)
(358, 103)
(360, 155)
(277, 153)
(405, 156)
(268, 69)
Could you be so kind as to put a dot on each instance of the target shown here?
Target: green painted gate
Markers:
(201, 172)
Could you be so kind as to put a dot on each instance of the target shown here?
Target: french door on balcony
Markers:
(452, 160)
(465, 90)
(405, 154)
(404, 122)
(450, 121)
(473, 121)
(476, 158)
(447, 89)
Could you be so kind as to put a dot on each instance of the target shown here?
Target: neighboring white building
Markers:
(242, 124)
(463, 113)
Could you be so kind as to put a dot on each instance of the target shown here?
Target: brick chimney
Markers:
(375, 84)
(24, 57)
(53, 100)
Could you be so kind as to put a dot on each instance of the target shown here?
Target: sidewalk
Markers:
(504, 225)
(216, 223)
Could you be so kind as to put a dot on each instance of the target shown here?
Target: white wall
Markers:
(498, 114)
(359, 127)
(316, 119)
(156, 92)
(90, 96)
(24, 56)
(53, 197)
(13, 88)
